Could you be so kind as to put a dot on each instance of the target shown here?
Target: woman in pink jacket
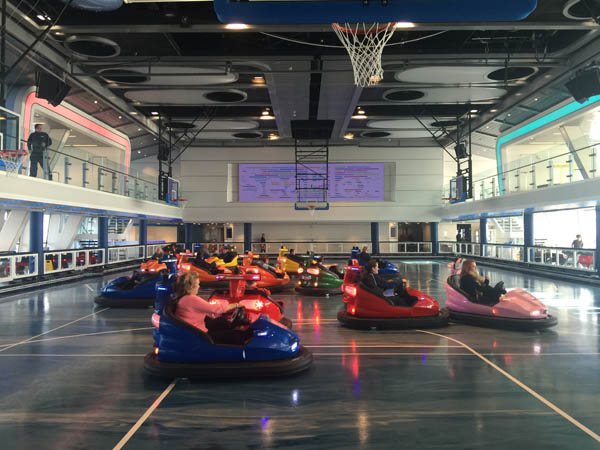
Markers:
(194, 309)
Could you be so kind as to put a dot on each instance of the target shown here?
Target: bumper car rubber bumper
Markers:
(316, 291)
(393, 323)
(229, 370)
(503, 322)
(110, 302)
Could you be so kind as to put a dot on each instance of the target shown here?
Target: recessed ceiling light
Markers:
(120, 117)
(236, 26)
(59, 33)
(360, 113)
(474, 111)
(535, 99)
(349, 136)
(273, 136)
(518, 94)
(96, 102)
(133, 113)
(266, 115)
(258, 80)
(139, 151)
(404, 25)
(493, 110)
(154, 138)
(154, 113)
(139, 129)
(508, 115)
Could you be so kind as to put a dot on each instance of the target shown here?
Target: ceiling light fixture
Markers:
(133, 113)
(258, 80)
(95, 102)
(236, 26)
(59, 33)
(404, 25)
(84, 145)
(349, 136)
(273, 136)
(266, 115)
(360, 113)
(493, 110)
(154, 113)
(120, 117)
(474, 111)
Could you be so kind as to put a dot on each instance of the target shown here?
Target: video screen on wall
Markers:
(277, 182)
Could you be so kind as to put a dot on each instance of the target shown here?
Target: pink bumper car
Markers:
(516, 310)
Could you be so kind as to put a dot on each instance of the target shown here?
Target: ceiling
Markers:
(176, 64)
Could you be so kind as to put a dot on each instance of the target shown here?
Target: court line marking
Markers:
(145, 416)
(140, 355)
(523, 386)
(50, 331)
(90, 288)
(383, 346)
(83, 334)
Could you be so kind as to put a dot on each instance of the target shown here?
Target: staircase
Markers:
(117, 225)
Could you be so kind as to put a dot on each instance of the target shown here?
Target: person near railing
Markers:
(263, 245)
(38, 144)
(158, 254)
(479, 287)
(578, 242)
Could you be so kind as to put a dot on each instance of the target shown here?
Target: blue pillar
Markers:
(180, 232)
(189, 236)
(433, 231)
(247, 237)
(597, 254)
(103, 236)
(375, 238)
(527, 234)
(482, 234)
(36, 237)
(143, 232)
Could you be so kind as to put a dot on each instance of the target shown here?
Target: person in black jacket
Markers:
(38, 144)
(478, 287)
(371, 279)
(364, 257)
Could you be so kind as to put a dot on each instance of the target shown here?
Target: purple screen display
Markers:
(356, 182)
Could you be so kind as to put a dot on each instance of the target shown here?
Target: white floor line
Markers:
(526, 388)
(82, 335)
(383, 346)
(50, 331)
(90, 288)
(147, 414)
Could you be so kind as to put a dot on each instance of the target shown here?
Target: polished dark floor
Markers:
(71, 378)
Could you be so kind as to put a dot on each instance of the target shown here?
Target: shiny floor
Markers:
(71, 378)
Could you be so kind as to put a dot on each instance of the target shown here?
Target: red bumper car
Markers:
(366, 308)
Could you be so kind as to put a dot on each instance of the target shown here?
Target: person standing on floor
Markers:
(263, 245)
(38, 144)
(578, 242)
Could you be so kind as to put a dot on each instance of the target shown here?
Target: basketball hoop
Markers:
(12, 161)
(364, 43)
(449, 199)
(311, 209)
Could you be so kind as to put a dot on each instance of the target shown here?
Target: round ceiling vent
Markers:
(123, 76)
(576, 10)
(179, 125)
(92, 46)
(226, 96)
(402, 96)
(375, 134)
(248, 135)
(511, 73)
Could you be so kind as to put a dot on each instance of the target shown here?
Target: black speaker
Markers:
(163, 152)
(50, 88)
(461, 151)
(585, 84)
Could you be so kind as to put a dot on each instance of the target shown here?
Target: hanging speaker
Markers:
(586, 84)
(50, 88)
(461, 151)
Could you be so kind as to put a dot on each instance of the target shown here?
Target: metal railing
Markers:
(86, 170)
(13, 267)
(579, 259)
(564, 168)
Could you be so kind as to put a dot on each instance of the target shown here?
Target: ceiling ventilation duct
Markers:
(96, 5)
(86, 46)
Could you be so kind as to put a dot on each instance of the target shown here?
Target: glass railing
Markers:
(581, 259)
(525, 176)
(324, 248)
(79, 168)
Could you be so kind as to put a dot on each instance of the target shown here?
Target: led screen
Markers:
(277, 182)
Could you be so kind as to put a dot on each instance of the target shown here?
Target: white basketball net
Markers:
(365, 43)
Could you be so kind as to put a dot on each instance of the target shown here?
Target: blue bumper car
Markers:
(268, 349)
(386, 268)
(138, 290)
